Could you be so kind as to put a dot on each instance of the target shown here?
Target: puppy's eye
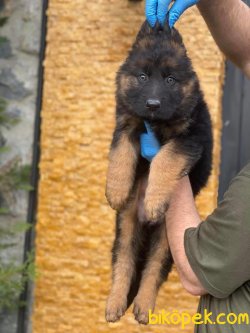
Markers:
(170, 80)
(143, 77)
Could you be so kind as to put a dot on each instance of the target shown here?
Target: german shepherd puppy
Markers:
(156, 84)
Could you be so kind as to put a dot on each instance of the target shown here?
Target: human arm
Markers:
(217, 249)
(182, 214)
(229, 24)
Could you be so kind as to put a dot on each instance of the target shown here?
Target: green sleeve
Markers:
(218, 250)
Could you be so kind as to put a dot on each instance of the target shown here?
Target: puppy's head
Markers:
(157, 81)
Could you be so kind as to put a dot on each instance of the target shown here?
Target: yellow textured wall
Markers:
(87, 40)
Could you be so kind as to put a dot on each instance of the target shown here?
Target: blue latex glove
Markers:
(149, 143)
(157, 10)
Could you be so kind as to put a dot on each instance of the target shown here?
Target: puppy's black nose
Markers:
(153, 104)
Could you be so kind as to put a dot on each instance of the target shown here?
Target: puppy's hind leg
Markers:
(123, 263)
(158, 266)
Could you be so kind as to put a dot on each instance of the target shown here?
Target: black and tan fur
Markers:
(157, 68)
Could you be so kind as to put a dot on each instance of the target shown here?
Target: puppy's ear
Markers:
(147, 35)
(145, 31)
(171, 33)
(166, 28)
(176, 37)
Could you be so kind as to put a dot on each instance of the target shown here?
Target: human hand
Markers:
(149, 143)
(158, 9)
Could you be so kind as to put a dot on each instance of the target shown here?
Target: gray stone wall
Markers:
(19, 56)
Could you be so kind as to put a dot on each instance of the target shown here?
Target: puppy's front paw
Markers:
(115, 308)
(155, 206)
(141, 309)
(117, 194)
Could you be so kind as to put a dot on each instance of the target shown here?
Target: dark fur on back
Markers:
(156, 83)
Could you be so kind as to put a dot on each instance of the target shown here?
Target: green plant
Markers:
(13, 177)
(5, 119)
(3, 20)
(3, 39)
(12, 281)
